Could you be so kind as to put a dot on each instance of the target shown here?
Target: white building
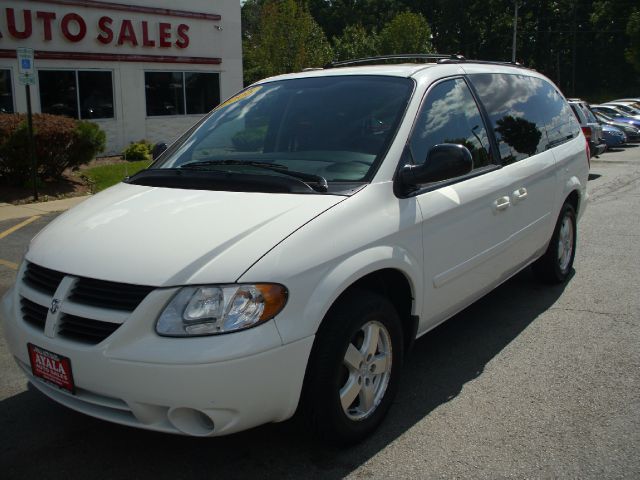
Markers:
(147, 70)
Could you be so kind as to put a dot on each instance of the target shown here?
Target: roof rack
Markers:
(425, 57)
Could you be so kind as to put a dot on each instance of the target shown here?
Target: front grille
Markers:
(117, 296)
(42, 279)
(85, 330)
(34, 314)
(85, 291)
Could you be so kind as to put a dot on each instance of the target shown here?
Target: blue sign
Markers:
(26, 63)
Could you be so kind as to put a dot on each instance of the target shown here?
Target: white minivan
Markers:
(285, 252)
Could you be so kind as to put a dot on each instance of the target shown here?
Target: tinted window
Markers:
(528, 114)
(177, 93)
(6, 93)
(58, 94)
(96, 94)
(450, 115)
(67, 92)
(164, 92)
(202, 91)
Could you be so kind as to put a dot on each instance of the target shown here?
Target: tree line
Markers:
(589, 48)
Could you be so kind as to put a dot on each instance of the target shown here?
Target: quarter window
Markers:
(6, 92)
(180, 93)
(450, 115)
(527, 114)
(78, 94)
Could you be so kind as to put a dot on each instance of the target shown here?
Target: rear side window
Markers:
(528, 114)
(450, 115)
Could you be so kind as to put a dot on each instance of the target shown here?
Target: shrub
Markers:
(60, 143)
(138, 150)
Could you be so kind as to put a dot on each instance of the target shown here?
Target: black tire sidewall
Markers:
(344, 321)
(567, 210)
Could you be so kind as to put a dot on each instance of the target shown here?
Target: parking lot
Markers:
(531, 381)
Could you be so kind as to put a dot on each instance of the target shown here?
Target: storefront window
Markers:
(6, 92)
(202, 91)
(96, 94)
(76, 94)
(177, 93)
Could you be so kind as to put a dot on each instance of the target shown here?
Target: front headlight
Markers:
(215, 309)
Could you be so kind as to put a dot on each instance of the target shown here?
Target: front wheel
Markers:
(354, 368)
(556, 264)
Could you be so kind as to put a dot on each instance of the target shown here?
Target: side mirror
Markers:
(158, 148)
(444, 161)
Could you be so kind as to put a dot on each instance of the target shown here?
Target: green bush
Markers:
(60, 143)
(138, 151)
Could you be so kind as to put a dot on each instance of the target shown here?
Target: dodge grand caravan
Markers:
(286, 251)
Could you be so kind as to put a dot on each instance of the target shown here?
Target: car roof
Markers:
(407, 70)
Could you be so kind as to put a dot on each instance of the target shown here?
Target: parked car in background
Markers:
(613, 136)
(626, 108)
(590, 126)
(616, 114)
(632, 132)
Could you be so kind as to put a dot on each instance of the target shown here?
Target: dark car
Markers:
(616, 114)
(632, 132)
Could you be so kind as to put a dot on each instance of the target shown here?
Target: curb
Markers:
(9, 212)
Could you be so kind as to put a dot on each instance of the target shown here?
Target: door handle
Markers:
(520, 194)
(502, 203)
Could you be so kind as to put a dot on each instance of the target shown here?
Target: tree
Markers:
(406, 33)
(287, 39)
(355, 42)
(633, 31)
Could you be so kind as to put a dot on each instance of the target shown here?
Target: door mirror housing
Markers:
(444, 161)
(158, 149)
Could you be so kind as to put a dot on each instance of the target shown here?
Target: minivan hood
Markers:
(166, 237)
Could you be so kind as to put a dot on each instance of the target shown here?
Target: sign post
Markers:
(26, 77)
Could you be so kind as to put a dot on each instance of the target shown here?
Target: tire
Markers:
(343, 369)
(557, 262)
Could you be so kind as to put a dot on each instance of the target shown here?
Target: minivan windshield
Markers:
(333, 128)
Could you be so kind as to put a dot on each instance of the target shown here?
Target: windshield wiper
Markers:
(317, 182)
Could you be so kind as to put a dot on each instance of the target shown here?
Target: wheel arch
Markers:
(393, 284)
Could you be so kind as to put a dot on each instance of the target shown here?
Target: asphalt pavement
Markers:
(529, 382)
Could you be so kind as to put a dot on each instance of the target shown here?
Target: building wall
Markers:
(214, 46)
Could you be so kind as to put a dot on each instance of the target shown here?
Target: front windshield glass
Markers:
(335, 127)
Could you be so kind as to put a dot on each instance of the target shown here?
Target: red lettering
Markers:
(106, 34)
(165, 35)
(127, 34)
(81, 27)
(11, 24)
(183, 40)
(47, 18)
(146, 41)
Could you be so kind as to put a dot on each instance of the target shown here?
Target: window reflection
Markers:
(528, 114)
(450, 115)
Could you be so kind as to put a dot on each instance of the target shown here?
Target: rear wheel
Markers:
(556, 264)
(354, 367)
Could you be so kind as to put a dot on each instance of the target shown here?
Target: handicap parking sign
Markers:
(25, 60)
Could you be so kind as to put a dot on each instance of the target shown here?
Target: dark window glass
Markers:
(6, 92)
(528, 114)
(58, 92)
(165, 93)
(203, 91)
(96, 94)
(450, 115)
(338, 127)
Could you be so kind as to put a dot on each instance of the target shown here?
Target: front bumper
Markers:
(205, 386)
